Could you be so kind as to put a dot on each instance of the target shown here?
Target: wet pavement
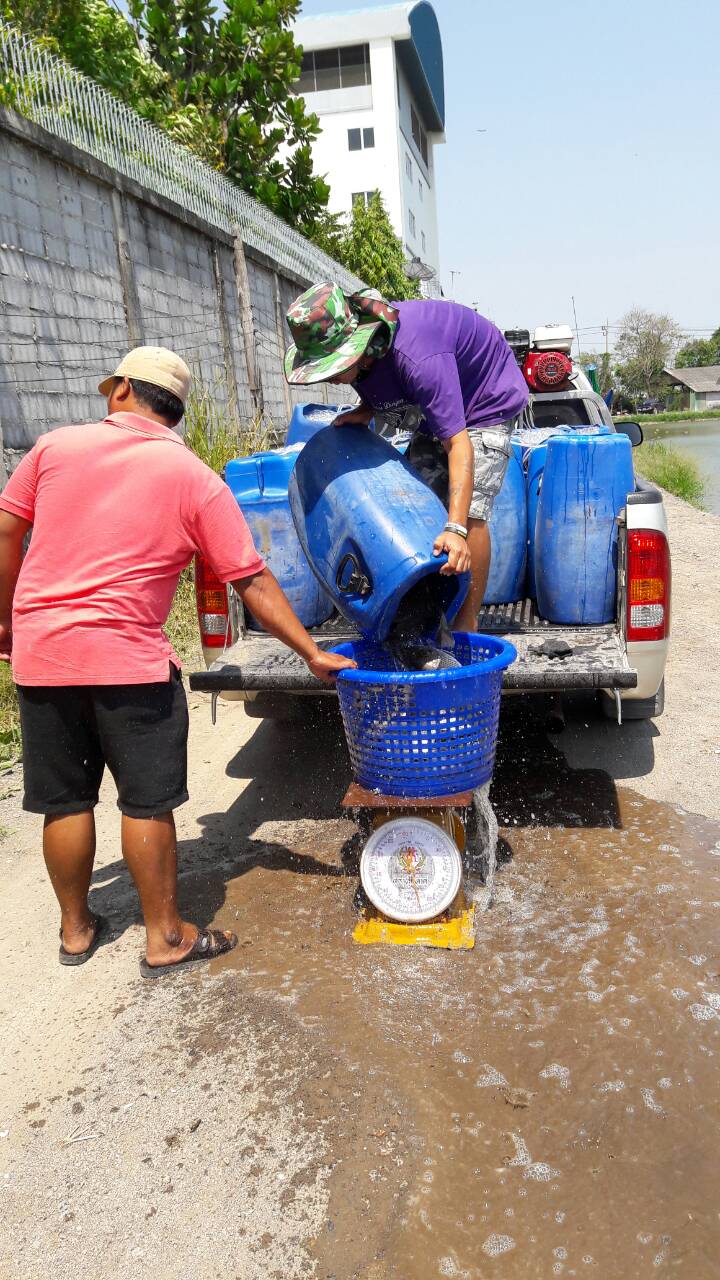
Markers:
(546, 1104)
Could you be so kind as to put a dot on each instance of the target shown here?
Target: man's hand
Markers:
(268, 603)
(5, 642)
(359, 416)
(326, 665)
(457, 552)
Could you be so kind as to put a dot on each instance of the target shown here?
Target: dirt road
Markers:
(544, 1105)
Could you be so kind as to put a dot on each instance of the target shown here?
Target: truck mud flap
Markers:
(586, 658)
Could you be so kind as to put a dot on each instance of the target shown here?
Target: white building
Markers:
(375, 79)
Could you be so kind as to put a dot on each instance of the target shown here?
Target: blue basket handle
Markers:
(358, 582)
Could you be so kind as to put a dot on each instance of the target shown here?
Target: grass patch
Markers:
(10, 741)
(181, 627)
(687, 416)
(672, 470)
(216, 433)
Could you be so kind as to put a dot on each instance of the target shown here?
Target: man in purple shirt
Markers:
(450, 363)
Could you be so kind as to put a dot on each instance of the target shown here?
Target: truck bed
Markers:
(258, 663)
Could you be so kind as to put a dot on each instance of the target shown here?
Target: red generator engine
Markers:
(547, 370)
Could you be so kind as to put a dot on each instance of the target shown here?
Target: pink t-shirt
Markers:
(118, 509)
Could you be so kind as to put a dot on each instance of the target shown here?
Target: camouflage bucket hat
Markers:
(331, 332)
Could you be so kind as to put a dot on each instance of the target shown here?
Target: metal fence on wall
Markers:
(53, 94)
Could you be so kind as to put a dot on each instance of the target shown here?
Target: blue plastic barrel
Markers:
(585, 485)
(260, 486)
(367, 524)
(307, 419)
(534, 466)
(508, 536)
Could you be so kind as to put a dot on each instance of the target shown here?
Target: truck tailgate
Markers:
(258, 663)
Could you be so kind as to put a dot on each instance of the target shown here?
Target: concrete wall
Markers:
(91, 264)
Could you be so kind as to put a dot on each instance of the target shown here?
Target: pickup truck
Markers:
(624, 660)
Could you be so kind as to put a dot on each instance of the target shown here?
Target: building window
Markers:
(419, 134)
(306, 83)
(408, 166)
(359, 139)
(327, 69)
(423, 241)
(411, 223)
(334, 69)
(420, 190)
(354, 65)
(362, 197)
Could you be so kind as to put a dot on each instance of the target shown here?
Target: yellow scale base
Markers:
(454, 930)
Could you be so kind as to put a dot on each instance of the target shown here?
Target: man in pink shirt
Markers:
(117, 510)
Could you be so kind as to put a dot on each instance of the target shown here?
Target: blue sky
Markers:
(599, 174)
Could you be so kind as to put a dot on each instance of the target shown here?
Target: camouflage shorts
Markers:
(491, 446)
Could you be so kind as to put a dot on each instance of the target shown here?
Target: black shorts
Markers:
(71, 732)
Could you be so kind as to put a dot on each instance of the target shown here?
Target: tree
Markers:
(700, 351)
(644, 347)
(218, 79)
(94, 38)
(370, 249)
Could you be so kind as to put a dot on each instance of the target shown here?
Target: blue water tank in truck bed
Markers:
(260, 486)
(307, 419)
(585, 484)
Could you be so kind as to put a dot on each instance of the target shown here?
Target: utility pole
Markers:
(453, 274)
(577, 335)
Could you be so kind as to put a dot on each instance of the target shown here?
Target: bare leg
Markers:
(150, 851)
(478, 541)
(69, 849)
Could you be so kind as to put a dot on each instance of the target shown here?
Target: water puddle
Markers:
(544, 1105)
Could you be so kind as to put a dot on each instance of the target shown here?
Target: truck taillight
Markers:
(212, 605)
(648, 589)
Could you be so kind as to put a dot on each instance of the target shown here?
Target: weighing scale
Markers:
(412, 869)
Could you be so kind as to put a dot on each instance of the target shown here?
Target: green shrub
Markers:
(672, 470)
(216, 433)
(9, 718)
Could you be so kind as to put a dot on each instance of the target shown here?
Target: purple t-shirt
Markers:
(451, 362)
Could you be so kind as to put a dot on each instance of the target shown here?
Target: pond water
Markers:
(701, 441)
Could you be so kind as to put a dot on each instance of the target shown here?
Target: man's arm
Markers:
(360, 415)
(12, 533)
(268, 603)
(461, 465)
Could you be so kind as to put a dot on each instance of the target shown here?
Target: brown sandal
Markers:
(209, 944)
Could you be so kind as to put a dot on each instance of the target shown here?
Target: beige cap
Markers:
(156, 365)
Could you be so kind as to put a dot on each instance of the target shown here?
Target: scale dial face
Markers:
(411, 870)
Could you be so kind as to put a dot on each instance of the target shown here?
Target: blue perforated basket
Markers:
(423, 733)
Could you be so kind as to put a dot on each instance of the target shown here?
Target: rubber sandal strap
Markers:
(208, 944)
